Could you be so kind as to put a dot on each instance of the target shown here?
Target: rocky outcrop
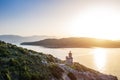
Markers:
(88, 74)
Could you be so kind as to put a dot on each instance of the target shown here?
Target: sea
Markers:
(104, 60)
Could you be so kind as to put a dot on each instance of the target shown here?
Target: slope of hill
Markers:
(75, 43)
(19, 39)
(17, 63)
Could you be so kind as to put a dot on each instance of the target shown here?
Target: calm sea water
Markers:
(105, 60)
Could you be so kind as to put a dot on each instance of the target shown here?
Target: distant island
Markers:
(17, 63)
(75, 42)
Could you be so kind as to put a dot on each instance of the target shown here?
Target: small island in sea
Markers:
(75, 42)
(17, 63)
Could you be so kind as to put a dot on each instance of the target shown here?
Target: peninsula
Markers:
(74, 42)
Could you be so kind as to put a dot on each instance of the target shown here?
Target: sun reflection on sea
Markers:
(99, 55)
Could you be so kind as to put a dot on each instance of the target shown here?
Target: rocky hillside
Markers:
(17, 63)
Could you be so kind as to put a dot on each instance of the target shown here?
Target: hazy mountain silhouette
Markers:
(19, 39)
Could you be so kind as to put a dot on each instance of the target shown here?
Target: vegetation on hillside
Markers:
(17, 63)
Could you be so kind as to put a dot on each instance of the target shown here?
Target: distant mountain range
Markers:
(19, 39)
(73, 42)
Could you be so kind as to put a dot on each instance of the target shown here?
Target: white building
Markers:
(69, 59)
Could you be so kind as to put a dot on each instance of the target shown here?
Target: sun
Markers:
(97, 22)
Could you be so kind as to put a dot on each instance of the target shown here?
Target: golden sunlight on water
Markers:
(99, 55)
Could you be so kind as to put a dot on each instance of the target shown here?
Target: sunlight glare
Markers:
(97, 22)
(99, 58)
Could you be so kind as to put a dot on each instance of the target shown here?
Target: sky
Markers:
(79, 18)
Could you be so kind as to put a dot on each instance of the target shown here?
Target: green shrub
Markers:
(3, 52)
(56, 71)
(72, 76)
(5, 74)
(13, 62)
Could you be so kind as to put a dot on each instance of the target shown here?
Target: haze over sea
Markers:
(104, 60)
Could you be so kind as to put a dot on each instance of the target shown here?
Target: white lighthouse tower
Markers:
(69, 59)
